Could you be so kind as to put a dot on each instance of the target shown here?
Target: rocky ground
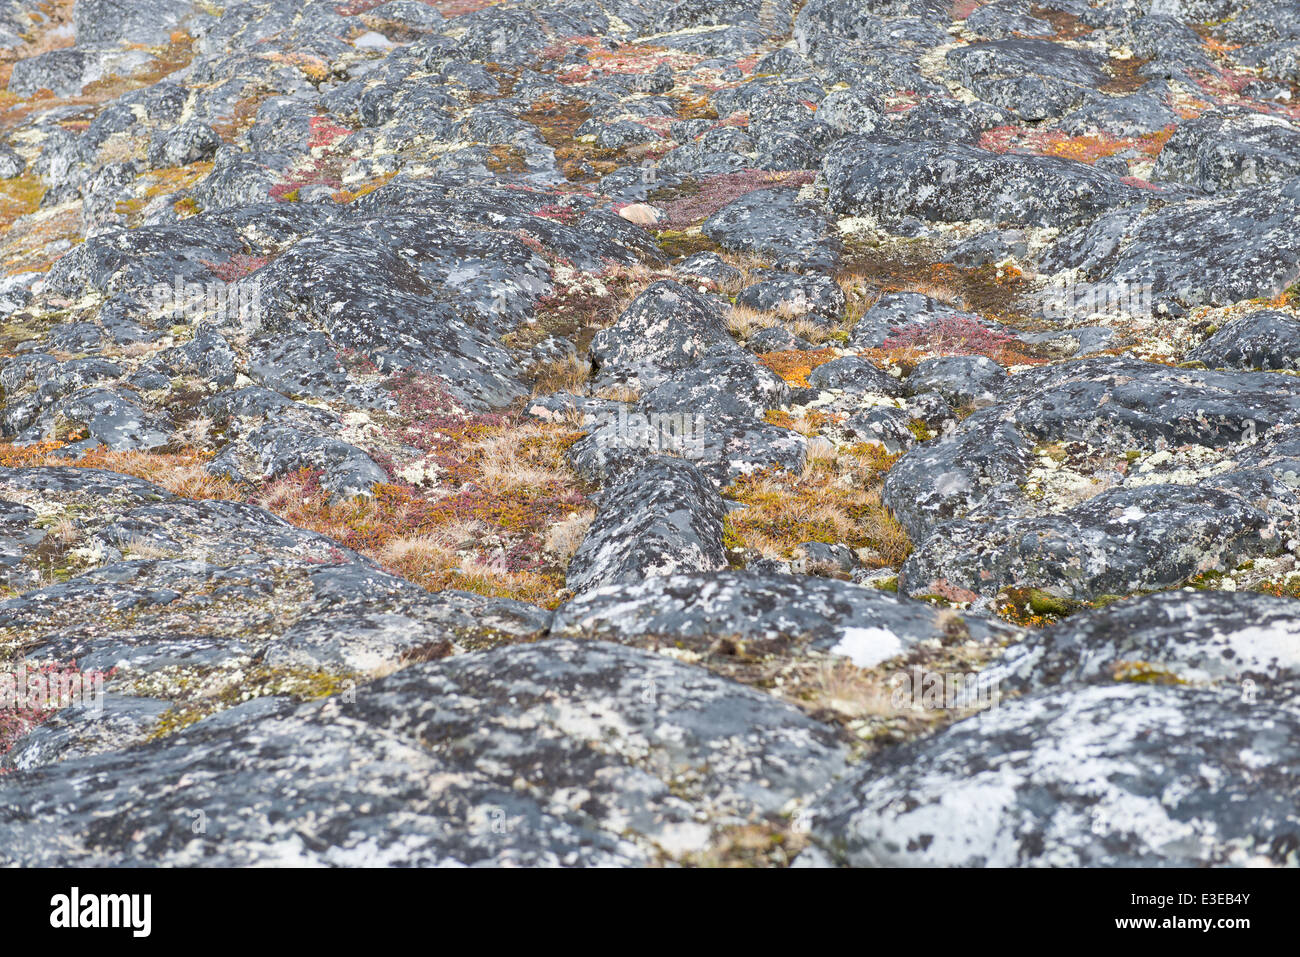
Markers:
(571, 432)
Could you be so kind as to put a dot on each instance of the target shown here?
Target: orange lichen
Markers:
(793, 366)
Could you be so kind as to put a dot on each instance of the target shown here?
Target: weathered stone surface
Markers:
(660, 519)
(729, 329)
(666, 328)
(793, 295)
(1243, 644)
(479, 760)
(1177, 251)
(1217, 152)
(778, 224)
(1262, 340)
(890, 179)
(770, 613)
(1114, 404)
(1118, 776)
(1121, 541)
(962, 380)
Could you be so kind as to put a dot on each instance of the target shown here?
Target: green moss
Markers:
(888, 584)
(244, 685)
(676, 242)
(1036, 606)
(920, 431)
(1144, 672)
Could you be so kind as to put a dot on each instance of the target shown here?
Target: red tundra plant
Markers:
(30, 696)
(562, 214)
(237, 266)
(717, 191)
(955, 335)
(325, 132)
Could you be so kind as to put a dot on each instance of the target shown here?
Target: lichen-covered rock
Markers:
(962, 380)
(660, 519)
(1217, 152)
(1116, 404)
(1122, 541)
(1113, 776)
(793, 295)
(776, 223)
(939, 182)
(1266, 339)
(1244, 644)
(732, 329)
(665, 328)
(1177, 252)
(1035, 78)
(769, 613)
(852, 374)
(557, 753)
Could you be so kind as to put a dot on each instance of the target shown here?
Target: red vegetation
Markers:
(710, 195)
(237, 266)
(958, 335)
(33, 696)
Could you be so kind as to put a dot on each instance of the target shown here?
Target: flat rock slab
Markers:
(1114, 776)
(770, 613)
(940, 182)
(1245, 644)
(557, 753)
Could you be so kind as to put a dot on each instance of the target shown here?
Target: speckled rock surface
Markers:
(554, 754)
(561, 432)
(1087, 777)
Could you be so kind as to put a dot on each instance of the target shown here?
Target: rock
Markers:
(272, 451)
(11, 164)
(776, 223)
(188, 143)
(150, 22)
(662, 518)
(1113, 404)
(1036, 79)
(469, 761)
(711, 268)
(945, 183)
(1114, 776)
(723, 447)
(1162, 524)
(1216, 152)
(852, 374)
(1266, 339)
(1122, 541)
(885, 426)
(546, 303)
(640, 213)
(906, 312)
(1138, 114)
(770, 613)
(725, 382)
(962, 380)
(1171, 253)
(794, 296)
(1242, 643)
(665, 328)
(1005, 18)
